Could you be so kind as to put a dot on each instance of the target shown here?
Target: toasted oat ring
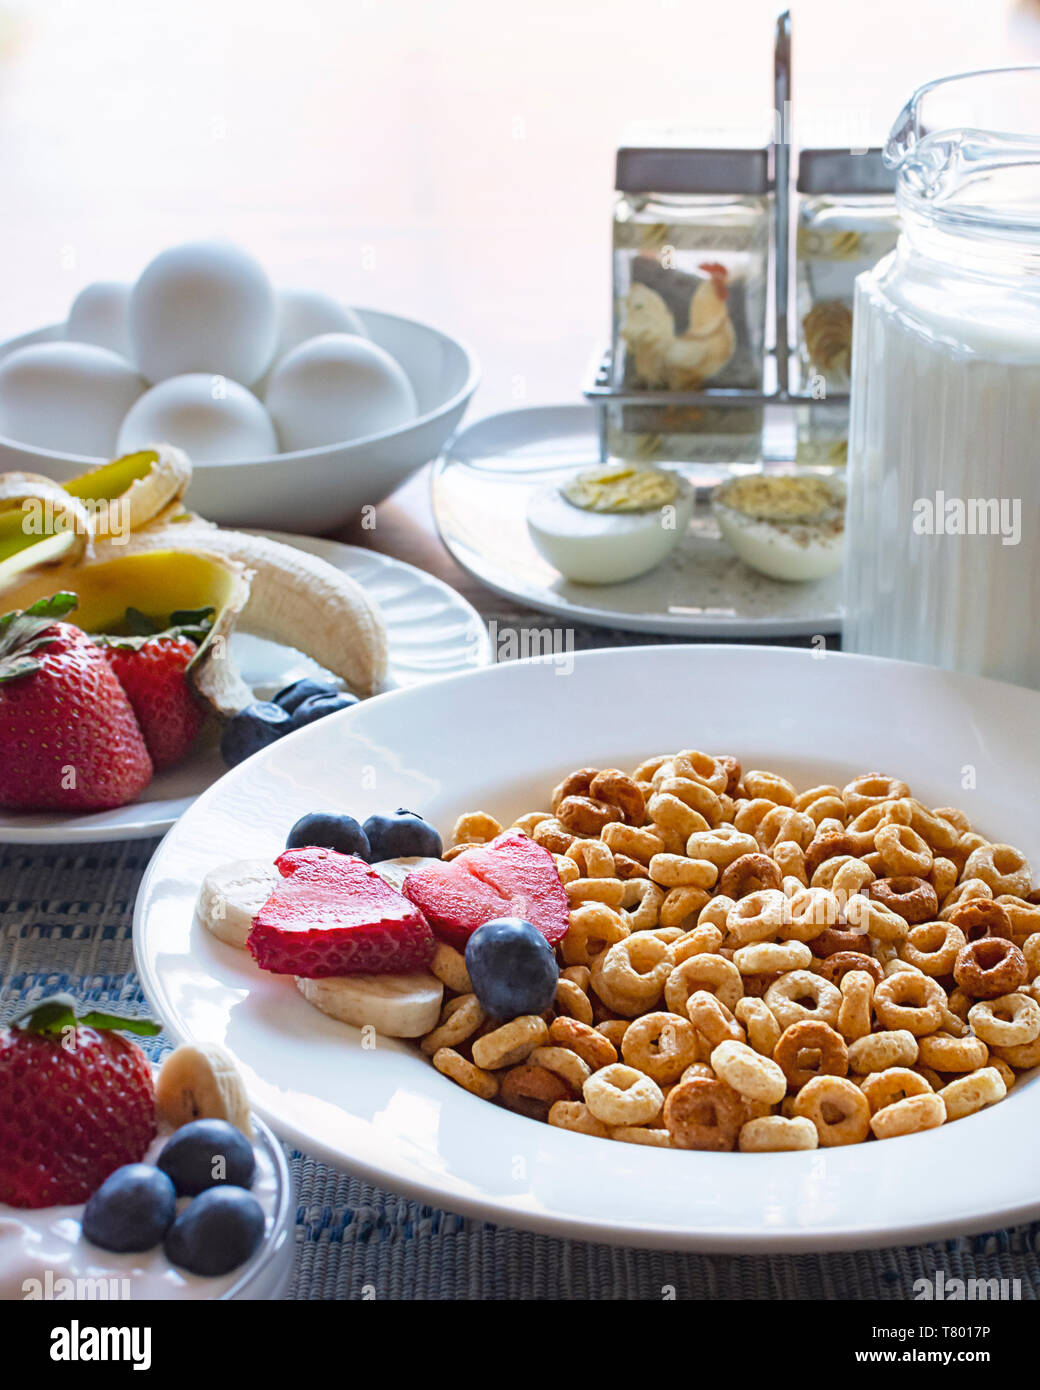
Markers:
(702, 767)
(637, 842)
(783, 825)
(910, 1116)
(836, 966)
(762, 1028)
(720, 846)
(576, 783)
(855, 1016)
(564, 1063)
(449, 966)
(775, 1134)
(839, 941)
(772, 957)
(694, 795)
(593, 928)
(460, 1019)
(757, 917)
(629, 976)
(616, 789)
(871, 789)
(682, 907)
(1022, 1058)
(883, 1088)
(610, 891)
(704, 1114)
(712, 973)
(529, 820)
(1010, 1021)
(532, 1091)
(712, 1020)
(511, 1044)
(733, 773)
(810, 914)
(967, 889)
(551, 835)
(969, 1094)
(933, 947)
(475, 827)
(809, 1049)
(790, 860)
(1023, 917)
(676, 871)
(567, 869)
(897, 1047)
(748, 874)
(800, 995)
(945, 1053)
(572, 1001)
(660, 1044)
(978, 918)
(770, 786)
(1003, 867)
(837, 1108)
(825, 846)
(471, 1078)
(589, 1043)
(585, 817)
(593, 858)
(576, 1116)
(620, 1095)
(862, 913)
(642, 1134)
(902, 850)
(641, 903)
(705, 939)
(990, 967)
(913, 898)
(750, 1074)
(910, 1000)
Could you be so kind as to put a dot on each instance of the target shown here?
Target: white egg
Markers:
(337, 387)
(69, 397)
(601, 547)
(304, 314)
(203, 307)
(213, 419)
(99, 315)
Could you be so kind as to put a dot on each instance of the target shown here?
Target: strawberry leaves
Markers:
(52, 1015)
(24, 631)
(140, 628)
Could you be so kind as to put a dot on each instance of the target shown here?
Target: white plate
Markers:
(498, 740)
(432, 631)
(481, 485)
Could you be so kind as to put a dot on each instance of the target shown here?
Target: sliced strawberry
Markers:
(510, 877)
(334, 915)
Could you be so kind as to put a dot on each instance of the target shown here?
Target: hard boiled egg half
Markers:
(788, 526)
(611, 522)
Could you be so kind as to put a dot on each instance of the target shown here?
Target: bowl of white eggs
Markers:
(297, 411)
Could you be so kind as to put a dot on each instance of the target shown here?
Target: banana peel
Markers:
(120, 537)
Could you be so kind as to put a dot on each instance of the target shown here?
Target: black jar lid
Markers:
(844, 172)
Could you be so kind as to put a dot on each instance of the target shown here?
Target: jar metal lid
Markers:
(664, 169)
(842, 171)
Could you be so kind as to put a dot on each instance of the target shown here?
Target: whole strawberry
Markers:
(69, 737)
(76, 1103)
(152, 671)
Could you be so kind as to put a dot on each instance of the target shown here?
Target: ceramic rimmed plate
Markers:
(481, 486)
(432, 631)
(498, 740)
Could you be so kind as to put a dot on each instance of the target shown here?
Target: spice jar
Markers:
(846, 222)
(691, 251)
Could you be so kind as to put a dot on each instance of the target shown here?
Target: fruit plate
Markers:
(498, 739)
(432, 631)
(481, 485)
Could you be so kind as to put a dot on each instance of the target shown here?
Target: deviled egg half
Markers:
(611, 522)
(789, 526)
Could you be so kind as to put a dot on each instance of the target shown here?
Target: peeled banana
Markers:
(232, 895)
(398, 1006)
(199, 1081)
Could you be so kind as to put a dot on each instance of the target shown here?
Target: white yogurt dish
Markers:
(43, 1254)
(789, 527)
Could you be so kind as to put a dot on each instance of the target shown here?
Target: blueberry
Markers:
(216, 1232)
(341, 833)
(294, 695)
(251, 729)
(512, 967)
(207, 1153)
(318, 706)
(131, 1210)
(401, 836)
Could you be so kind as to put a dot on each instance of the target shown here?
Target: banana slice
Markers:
(232, 895)
(395, 871)
(398, 1006)
(199, 1081)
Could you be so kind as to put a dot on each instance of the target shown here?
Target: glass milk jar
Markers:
(944, 448)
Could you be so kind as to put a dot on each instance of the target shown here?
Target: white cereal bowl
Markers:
(310, 490)
(499, 739)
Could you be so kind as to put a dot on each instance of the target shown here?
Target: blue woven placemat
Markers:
(65, 919)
